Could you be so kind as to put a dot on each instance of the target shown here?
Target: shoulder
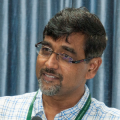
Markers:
(100, 109)
(16, 98)
(13, 104)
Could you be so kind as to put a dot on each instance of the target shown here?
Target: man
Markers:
(70, 53)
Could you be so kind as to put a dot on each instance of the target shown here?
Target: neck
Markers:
(62, 102)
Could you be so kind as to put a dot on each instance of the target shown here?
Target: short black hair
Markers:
(79, 20)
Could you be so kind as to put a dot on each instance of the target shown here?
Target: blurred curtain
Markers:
(21, 26)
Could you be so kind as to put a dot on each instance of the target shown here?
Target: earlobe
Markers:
(93, 66)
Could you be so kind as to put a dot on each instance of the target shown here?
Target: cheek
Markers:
(73, 75)
(39, 64)
(69, 74)
(81, 73)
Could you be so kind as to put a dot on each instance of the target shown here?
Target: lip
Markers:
(49, 77)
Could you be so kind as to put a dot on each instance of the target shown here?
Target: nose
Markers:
(52, 62)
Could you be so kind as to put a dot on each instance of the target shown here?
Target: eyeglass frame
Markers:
(78, 61)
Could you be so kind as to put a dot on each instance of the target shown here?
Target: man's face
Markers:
(58, 77)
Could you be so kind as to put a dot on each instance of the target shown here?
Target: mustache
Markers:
(47, 70)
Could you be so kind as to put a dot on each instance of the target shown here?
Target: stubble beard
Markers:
(51, 90)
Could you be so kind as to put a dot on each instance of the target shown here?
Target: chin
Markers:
(48, 88)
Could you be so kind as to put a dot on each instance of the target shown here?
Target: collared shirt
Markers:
(16, 108)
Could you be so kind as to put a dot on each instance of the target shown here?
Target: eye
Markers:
(45, 50)
(66, 57)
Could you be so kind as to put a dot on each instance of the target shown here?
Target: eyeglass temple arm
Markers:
(79, 61)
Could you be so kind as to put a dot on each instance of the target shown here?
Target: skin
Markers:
(74, 75)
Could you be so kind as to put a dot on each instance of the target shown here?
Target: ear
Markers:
(93, 66)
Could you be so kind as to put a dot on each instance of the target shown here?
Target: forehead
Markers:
(74, 39)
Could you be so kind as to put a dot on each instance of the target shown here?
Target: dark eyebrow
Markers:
(71, 50)
(46, 43)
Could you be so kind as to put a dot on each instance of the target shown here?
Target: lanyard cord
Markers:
(31, 107)
(79, 116)
(84, 109)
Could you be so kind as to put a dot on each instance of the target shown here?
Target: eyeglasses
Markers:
(46, 52)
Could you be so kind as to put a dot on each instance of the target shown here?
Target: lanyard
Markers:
(84, 109)
(79, 116)
(31, 108)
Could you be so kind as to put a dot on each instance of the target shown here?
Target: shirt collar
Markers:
(76, 109)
